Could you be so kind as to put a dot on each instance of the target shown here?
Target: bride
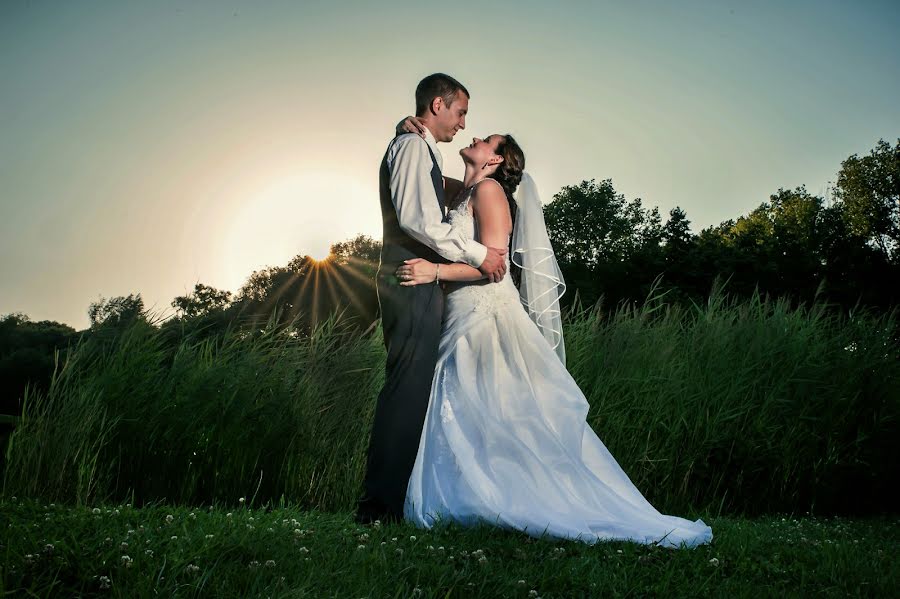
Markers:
(505, 438)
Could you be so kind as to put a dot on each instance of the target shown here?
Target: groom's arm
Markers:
(418, 211)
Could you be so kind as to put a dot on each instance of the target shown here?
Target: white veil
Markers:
(541, 283)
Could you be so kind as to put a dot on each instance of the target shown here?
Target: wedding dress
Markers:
(505, 438)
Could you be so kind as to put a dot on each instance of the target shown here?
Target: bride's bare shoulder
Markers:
(488, 193)
(490, 199)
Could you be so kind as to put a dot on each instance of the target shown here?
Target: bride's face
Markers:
(481, 151)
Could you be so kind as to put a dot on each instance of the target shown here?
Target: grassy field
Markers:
(731, 411)
(120, 551)
(731, 408)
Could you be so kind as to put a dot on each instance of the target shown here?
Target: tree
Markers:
(590, 224)
(869, 187)
(116, 311)
(361, 250)
(204, 300)
(605, 245)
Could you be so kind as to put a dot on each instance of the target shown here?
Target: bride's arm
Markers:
(494, 226)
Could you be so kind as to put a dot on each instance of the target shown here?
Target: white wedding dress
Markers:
(505, 438)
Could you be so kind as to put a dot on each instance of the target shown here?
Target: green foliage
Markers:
(281, 551)
(116, 312)
(267, 412)
(732, 406)
(870, 189)
(203, 301)
(590, 224)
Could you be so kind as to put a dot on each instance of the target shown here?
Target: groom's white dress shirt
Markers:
(418, 209)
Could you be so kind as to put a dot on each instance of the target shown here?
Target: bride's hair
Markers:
(509, 175)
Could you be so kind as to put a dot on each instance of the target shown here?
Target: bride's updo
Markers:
(509, 175)
(509, 172)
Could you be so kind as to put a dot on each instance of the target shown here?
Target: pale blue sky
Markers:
(147, 147)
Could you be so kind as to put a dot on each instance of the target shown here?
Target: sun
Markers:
(295, 214)
(320, 253)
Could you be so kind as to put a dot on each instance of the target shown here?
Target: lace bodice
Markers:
(478, 295)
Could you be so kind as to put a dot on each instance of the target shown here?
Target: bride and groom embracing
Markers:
(478, 419)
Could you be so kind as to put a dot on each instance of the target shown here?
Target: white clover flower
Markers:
(412, 538)
(192, 569)
(130, 532)
(358, 547)
(241, 500)
(96, 510)
(377, 524)
(48, 548)
(431, 548)
(482, 560)
(383, 543)
(105, 582)
(417, 591)
(127, 561)
(303, 550)
(209, 536)
(521, 583)
(364, 537)
(170, 518)
(115, 512)
(532, 593)
(270, 563)
(123, 545)
(394, 539)
(618, 551)
(173, 538)
(228, 515)
(714, 561)
(441, 548)
(254, 565)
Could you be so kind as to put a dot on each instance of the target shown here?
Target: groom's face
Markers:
(451, 118)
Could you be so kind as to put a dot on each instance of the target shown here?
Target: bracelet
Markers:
(437, 272)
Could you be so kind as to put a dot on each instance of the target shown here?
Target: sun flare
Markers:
(297, 214)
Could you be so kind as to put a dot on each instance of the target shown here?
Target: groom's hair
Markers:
(437, 84)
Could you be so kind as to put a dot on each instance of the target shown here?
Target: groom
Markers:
(413, 213)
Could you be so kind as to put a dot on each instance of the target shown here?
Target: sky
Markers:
(149, 146)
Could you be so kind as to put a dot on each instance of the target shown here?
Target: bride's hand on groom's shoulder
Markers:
(416, 271)
(411, 124)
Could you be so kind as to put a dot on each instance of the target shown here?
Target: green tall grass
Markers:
(729, 407)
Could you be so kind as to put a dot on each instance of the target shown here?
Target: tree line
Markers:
(843, 250)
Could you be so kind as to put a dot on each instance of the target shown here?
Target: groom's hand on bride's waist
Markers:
(494, 265)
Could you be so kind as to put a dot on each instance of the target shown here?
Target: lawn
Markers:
(159, 550)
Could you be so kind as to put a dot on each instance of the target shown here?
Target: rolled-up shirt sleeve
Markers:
(418, 210)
